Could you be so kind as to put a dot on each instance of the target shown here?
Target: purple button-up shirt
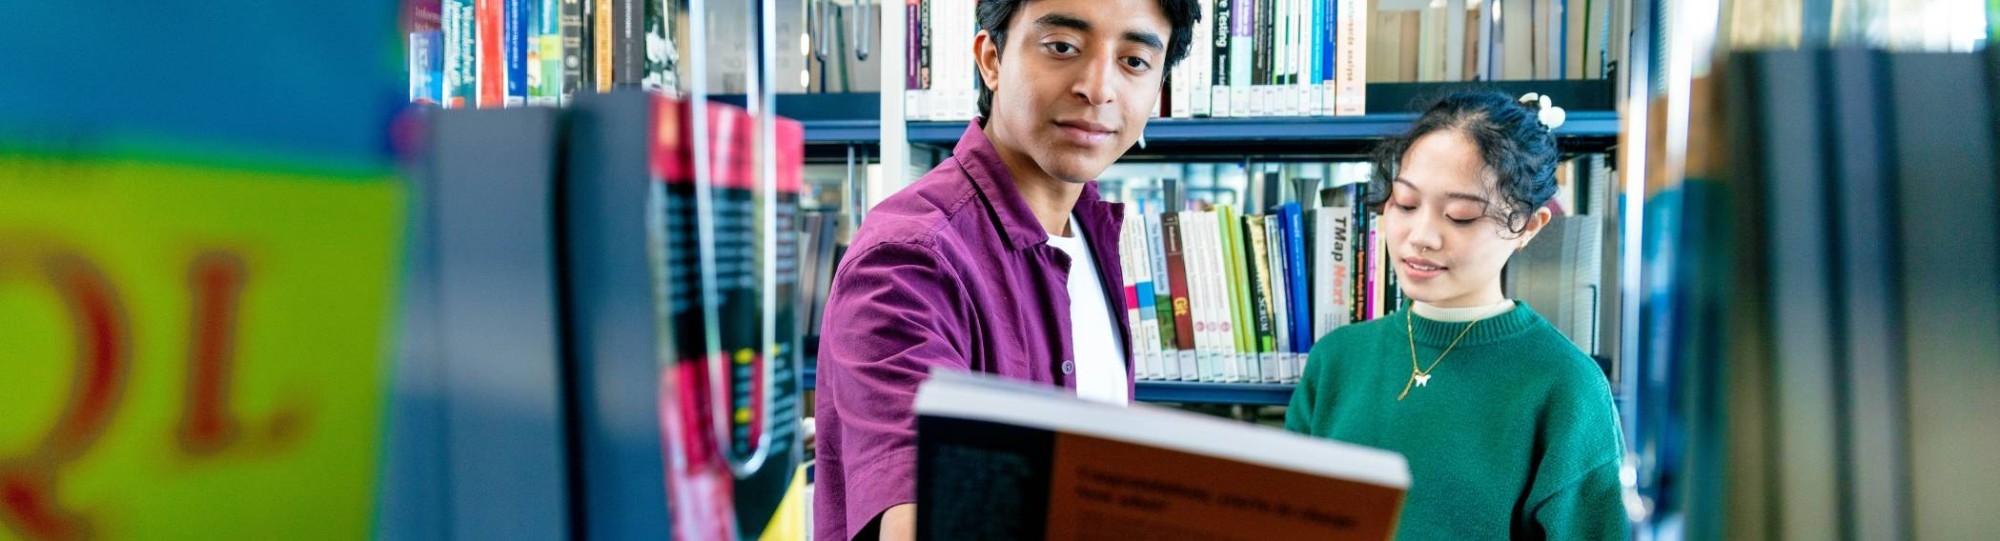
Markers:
(951, 273)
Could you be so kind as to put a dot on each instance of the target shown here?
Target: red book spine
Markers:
(1170, 235)
(490, 19)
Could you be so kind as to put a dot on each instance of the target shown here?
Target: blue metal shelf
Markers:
(842, 131)
(1188, 392)
(1581, 125)
(853, 117)
(1251, 394)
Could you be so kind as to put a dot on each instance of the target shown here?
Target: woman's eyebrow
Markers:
(1449, 195)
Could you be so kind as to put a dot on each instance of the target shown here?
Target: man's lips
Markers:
(1085, 132)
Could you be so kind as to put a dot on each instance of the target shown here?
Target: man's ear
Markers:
(986, 53)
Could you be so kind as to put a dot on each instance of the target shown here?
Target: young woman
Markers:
(1509, 429)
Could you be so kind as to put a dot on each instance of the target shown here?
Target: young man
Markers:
(1001, 260)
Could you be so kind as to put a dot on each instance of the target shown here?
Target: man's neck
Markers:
(1051, 199)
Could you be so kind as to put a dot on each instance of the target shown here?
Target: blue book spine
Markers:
(460, 62)
(1301, 301)
(518, 22)
(1329, 30)
(431, 45)
(1318, 48)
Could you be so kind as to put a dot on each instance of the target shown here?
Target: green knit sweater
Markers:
(1514, 436)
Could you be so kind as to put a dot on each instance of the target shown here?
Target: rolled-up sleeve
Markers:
(894, 313)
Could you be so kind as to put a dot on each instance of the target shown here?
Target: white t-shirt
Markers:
(1099, 362)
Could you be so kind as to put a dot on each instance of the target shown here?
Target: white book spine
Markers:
(1180, 104)
(1352, 80)
(1303, 38)
(1214, 275)
(1200, 47)
(1301, 57)
(1332, 303)
(1215, 271)
(1231, 289)
(1199, 303)
(937, 99)
(1221, 343)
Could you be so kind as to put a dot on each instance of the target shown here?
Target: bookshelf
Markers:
(837, 123)
(842, 122)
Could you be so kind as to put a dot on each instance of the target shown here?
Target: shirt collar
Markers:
(980, 161)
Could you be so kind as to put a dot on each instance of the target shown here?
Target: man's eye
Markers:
(1061, 48)
(1137, 63)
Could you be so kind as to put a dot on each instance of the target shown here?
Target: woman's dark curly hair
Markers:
(1519, 151)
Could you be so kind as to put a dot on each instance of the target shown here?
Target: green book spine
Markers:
(1231, 228)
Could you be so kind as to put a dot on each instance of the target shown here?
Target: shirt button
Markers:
(1069, 367)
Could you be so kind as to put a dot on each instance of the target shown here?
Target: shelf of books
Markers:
(1256, 72)
(1234, 270)
(1231, 286)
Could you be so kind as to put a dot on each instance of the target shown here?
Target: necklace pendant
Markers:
(1423, 380)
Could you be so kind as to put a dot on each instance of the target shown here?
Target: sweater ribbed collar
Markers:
(1439, 334)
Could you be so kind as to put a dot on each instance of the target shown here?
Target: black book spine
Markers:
(1264, 53)
(1219, 69)
(572, 48)
(924, 41)
(628, 44)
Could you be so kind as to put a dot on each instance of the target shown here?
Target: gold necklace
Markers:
(1421, 377)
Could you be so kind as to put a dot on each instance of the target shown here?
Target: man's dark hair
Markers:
(994, 15)
(1512, 141)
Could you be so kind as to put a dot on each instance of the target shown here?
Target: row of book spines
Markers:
(1284, 58)
(1210, 299)
(1253, 58)
(510, 53)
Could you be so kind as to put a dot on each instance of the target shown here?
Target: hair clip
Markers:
(1551, 117)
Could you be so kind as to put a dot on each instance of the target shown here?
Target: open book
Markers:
(1002, 460)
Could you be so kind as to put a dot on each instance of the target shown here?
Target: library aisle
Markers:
(999, 269)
